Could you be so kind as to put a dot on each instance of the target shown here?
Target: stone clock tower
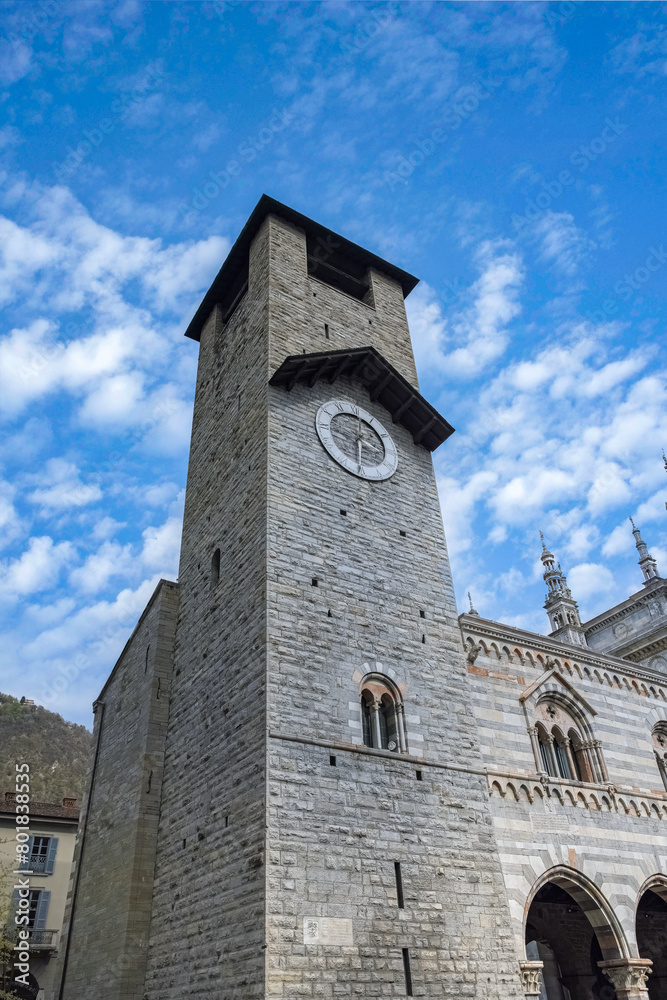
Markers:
(310, 818)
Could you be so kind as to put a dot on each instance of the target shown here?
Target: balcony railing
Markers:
(43, 940)
(35, 864)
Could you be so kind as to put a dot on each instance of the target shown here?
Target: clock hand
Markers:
(359, 450)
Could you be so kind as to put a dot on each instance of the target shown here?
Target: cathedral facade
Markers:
(312, 778)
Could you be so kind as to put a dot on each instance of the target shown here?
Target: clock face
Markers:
(356, 440)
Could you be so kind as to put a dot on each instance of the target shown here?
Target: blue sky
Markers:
(510, 155)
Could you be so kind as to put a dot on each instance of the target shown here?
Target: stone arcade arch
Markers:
(652, 933)
(575, 941)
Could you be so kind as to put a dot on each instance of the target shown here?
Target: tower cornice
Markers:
(383, 382)
(229, 281)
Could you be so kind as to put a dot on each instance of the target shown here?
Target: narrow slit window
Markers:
(399, 885)
(326, 330)
(215, 567)
(408, 973)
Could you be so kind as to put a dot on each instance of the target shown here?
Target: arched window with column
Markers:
(563, 742)
(382, 715)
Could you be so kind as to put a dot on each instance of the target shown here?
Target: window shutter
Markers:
(51, 855)
(25, 858)
(42, 910)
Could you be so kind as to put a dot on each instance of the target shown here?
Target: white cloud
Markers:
(162, 547)
(562, 243)
(62, 487)
(22, 254)
(588, 580)
(110, 560)
(653, 508)
(106, 528)
(15, 59)
(72, 264)
(10, 521)
(207, 137)
(561, 440)
(458, 497)
(176, 272)
(477, 333)
(114, 400)
(104, 625)
(159, 494)
(37, 569)
(619, 541)
(645, 52)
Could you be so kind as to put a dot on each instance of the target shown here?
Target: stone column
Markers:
(400, 725)
(600, 759)
(530, 978)
(567, 744)
(592, 759)
(535, 743)
(551, 754)
(375, 722)
(628, 977)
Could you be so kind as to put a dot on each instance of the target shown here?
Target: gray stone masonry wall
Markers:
(335, 833)
(108, 932)
(207, 931)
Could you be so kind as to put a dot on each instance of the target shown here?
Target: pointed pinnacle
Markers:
(632, 523)
(544, 548)
(470, 601)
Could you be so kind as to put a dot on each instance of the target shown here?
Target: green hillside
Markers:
(57, 751)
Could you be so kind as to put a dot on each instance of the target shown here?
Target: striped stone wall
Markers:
(610, 834)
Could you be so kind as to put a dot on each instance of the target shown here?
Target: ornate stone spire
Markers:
(560, 606)
(646, 561)
(472, 610)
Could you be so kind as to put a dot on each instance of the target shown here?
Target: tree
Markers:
(6, 932)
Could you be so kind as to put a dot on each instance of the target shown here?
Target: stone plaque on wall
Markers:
(327, 930)
(545, 822)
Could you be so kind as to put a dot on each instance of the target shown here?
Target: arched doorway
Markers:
(26, 992)
(570, 929)
(652, 934)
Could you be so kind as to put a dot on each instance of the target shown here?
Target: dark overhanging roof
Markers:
(384, 384)
(237, 258)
